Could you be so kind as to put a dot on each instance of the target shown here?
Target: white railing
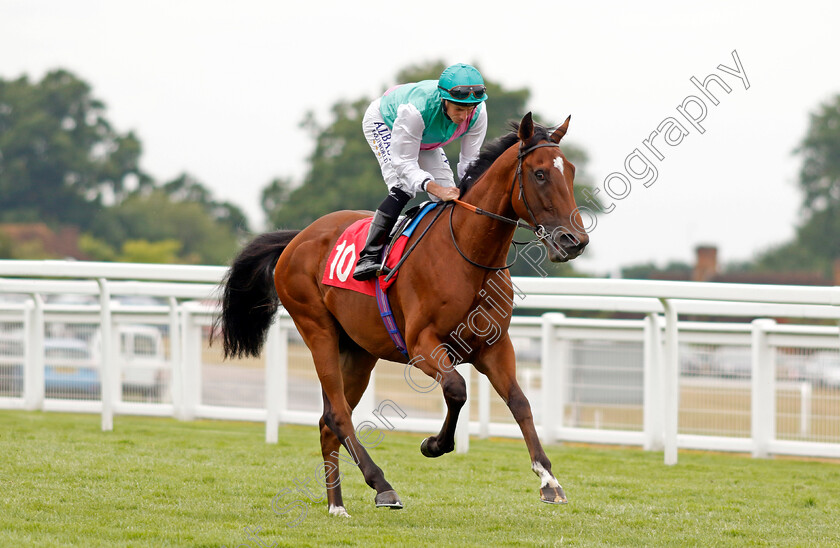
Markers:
(653, 381)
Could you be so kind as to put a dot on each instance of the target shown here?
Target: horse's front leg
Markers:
(498, 362)
(431, 358)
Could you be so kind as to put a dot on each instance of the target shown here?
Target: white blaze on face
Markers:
(547, 479)
(558, 163)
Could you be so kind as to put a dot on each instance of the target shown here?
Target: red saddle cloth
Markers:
(345, 254)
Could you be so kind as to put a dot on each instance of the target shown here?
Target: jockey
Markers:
(406, 128)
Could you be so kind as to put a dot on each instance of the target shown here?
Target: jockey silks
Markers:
(406, 128)
(438, 129)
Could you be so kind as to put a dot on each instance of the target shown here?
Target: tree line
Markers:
(63, 163)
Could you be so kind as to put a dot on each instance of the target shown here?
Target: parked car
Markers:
(137, 300)
(527, 349)
(69, 366)
(11, 363)
(144, 367)
(792, 365)
(71, 299)
(72, 365)
(733, 362)
(823, 369)
(696, 360)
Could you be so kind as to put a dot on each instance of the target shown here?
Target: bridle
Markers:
(538, 229)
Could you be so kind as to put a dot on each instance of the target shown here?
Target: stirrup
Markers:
(366, 272)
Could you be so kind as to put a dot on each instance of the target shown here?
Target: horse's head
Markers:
(543, 193)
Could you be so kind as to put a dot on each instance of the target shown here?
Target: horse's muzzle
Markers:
(566, 246)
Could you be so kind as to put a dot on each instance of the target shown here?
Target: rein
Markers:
(538, 229)
(410, 249)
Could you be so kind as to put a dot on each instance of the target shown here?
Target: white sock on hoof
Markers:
(338, 511)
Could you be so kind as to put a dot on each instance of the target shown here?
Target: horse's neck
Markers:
(487, 240)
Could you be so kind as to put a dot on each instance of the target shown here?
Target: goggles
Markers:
(459, 93)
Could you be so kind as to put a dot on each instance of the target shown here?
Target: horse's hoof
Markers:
(388, 499)
(425, 451)
(553, 495)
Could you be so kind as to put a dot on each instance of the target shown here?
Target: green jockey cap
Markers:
(462, 83)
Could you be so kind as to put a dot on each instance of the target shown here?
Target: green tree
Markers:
(143, 251)
(343, 173)
(61, 160)
(27, 250)
(186, 188)
(817, 241)
(62, 163)
(96, 249)
(276, 194)
(155, 217)
(819, 177)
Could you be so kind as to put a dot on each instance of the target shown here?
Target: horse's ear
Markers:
(560, 132)
(526, 128)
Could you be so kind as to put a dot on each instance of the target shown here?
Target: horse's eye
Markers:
(540, 175)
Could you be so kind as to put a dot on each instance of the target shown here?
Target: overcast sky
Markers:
(218, 89)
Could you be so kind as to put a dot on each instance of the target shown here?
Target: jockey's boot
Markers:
(369, 257)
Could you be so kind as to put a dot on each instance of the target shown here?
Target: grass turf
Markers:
(160, 482)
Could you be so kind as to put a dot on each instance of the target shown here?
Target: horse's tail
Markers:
(249, 300)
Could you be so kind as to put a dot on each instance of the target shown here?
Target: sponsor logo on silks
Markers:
(382, 137)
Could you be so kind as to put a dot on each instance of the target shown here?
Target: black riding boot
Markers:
(369, 257)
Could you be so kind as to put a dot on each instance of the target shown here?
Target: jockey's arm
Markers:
(406, 136)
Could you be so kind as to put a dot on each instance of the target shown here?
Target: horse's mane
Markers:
(491, 152)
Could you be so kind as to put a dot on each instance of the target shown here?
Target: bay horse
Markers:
(522, 178)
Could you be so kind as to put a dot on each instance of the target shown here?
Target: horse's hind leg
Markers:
(356, 365)
(321, 335)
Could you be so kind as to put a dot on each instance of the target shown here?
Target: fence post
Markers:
(483, 407)
(33, 354)
(462, 429)
(763, 412)
(106, 368)
(653, 406)
(553, 365)
(805, 394)
(670, 383)
(190, 365)
(276, 349)
(175, 370)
